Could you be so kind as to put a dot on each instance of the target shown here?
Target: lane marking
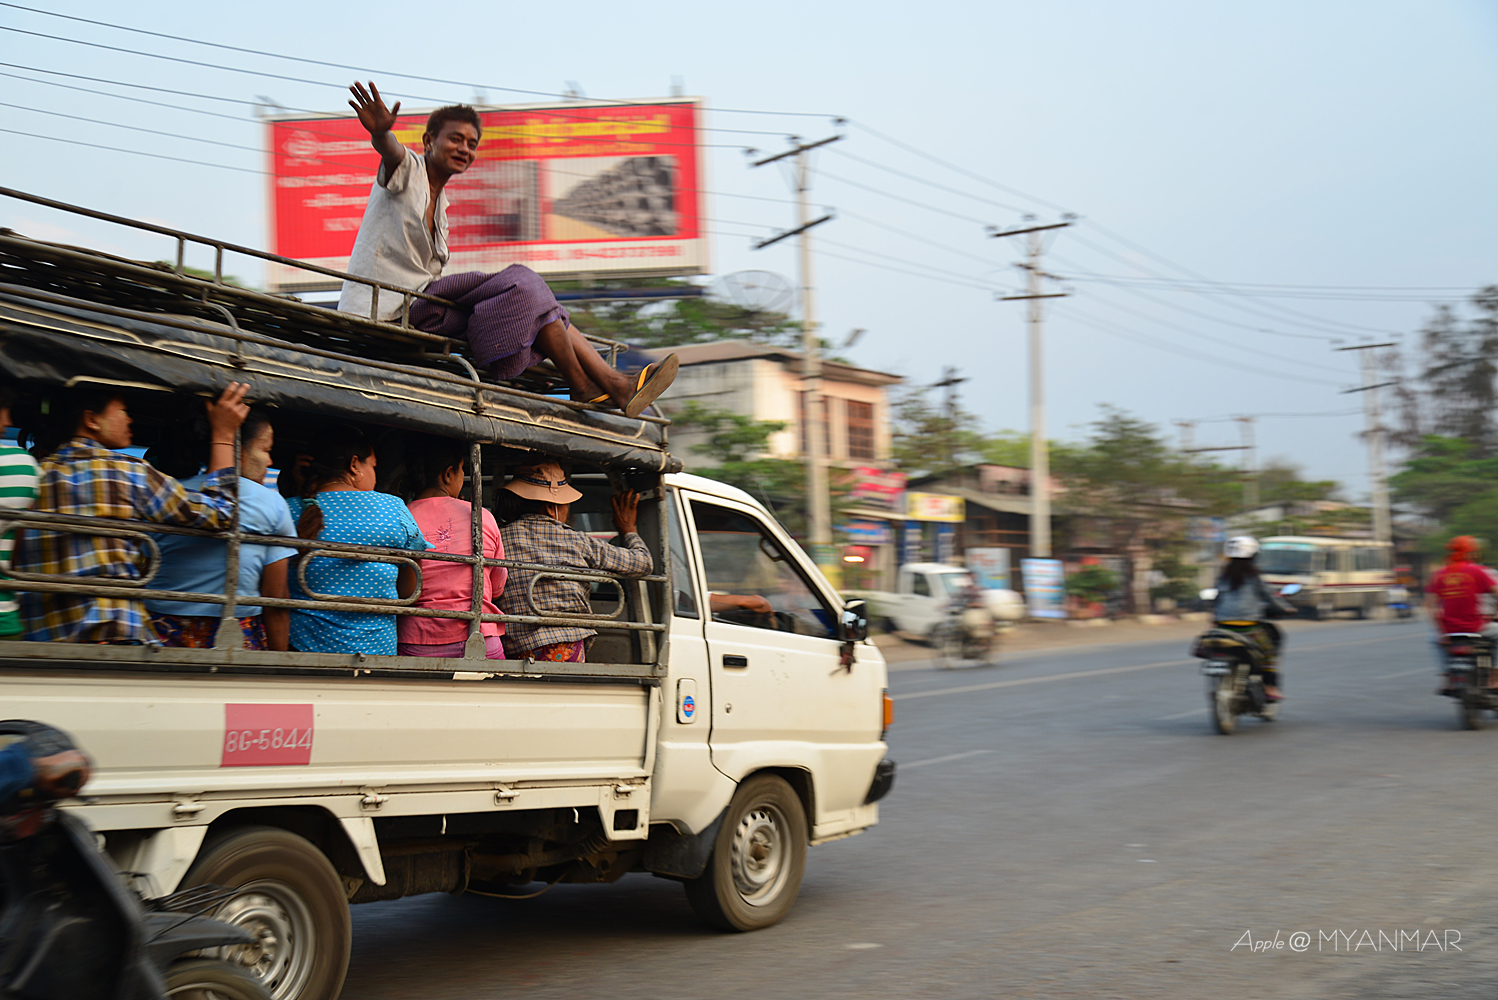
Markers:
(943, 760)
(1182, 715)
(1407, 673)
(1101, 672)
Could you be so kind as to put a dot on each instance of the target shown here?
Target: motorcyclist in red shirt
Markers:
(1454, 597)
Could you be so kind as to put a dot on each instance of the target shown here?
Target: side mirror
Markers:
(855, 621)
(1290, 589)
(1209, 594)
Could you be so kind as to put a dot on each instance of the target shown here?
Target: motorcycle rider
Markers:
(1454, 597)
(1243, 597)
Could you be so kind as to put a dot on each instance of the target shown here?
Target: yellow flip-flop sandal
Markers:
(651, 381)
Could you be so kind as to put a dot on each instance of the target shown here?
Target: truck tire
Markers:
(291, 899)
(758, 859)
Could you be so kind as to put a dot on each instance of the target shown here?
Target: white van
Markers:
(709, 747)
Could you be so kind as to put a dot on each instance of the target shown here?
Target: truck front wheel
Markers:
(758, 859)
(291, 899)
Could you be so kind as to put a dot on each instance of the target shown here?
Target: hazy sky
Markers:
(1345, 146)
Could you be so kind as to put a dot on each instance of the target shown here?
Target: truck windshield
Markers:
(1286, 560)
(953, 583)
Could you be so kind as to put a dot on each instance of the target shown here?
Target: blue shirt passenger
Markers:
(358, 517)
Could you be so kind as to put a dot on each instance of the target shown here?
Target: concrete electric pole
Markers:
(1040, 456)
(1383, 527)
(813, 415)
(1250, 464)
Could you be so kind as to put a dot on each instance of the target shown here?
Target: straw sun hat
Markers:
(543, 481)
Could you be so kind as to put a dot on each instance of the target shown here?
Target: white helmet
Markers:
(1241, 547)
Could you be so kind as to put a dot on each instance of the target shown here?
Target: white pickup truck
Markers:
(923, 593)
(700, 742)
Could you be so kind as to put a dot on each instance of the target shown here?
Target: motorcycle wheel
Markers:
(211, 979)
(946, 640)
(1222, 700)
(1470, 715)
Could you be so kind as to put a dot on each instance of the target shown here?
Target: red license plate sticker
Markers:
(267, 735)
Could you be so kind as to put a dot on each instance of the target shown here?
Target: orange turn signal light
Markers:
(889, 710)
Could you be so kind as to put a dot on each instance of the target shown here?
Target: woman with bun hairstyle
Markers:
(338, 503)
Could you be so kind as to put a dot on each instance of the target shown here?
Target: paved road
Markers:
(1066, 824)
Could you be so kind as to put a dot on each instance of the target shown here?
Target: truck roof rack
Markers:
(70, 315)
(163, 287)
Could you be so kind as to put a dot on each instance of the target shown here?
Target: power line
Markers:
(912, 236)
(365, 69)
(134, 128)
(1247, 286)
(1315, 320)
(496, 129)
(1166, 345)
(1215, 319)
(924, 180)
(908, 201)
(952, 166)
(135, 152)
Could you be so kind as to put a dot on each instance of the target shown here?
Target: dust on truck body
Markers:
(708, 747)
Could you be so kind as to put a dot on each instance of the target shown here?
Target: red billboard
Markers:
(567, 189)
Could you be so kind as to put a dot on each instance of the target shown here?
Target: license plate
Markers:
(1215, 669)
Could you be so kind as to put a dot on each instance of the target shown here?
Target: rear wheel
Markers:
(1222, 699)
(1469, 715)
(291, 899)
(758, 859)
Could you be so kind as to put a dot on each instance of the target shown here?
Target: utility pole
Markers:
(1188, 433)
(1383, 528)
(1040, 456)
(1250, 464)
(950, 382)
(813, 417)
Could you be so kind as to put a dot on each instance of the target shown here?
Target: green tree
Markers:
(931, 439)
(1454, 483)
(734, 453)
(1454, 390)
(649, 323)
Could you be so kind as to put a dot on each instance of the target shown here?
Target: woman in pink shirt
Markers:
(447, 524)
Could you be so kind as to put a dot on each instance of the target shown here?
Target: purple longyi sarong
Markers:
(498, 314)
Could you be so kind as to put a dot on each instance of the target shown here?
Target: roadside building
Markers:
(762, 382)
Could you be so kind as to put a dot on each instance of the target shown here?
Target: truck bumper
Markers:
(884, 780)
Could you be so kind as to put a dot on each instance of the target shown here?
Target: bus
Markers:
(1335, 574)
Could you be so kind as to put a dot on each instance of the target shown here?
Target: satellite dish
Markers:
(755, 292)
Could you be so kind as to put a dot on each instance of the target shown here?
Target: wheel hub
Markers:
(759, 855)
(281, 955)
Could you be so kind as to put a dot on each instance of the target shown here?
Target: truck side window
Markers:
(683, 585)
(743, 563)
(919, 585)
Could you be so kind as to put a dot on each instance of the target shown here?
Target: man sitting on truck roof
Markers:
(510, 319)
(87, 475)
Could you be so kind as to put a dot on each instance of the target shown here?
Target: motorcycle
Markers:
(1399, 602)
(1469, 664)
(69, 927)
(1234, 665)
(969, 633)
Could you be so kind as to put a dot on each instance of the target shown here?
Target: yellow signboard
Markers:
(933, 507)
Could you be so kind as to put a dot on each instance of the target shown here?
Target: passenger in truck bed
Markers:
(196, 565)
(18, 479)
(533, 510)
(511, 320)
(447, 524)
(84, 473)
(339, 504)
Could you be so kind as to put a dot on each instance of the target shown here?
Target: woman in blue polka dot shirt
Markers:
(339, 504)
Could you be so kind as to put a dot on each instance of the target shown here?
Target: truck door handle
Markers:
(735, 660)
